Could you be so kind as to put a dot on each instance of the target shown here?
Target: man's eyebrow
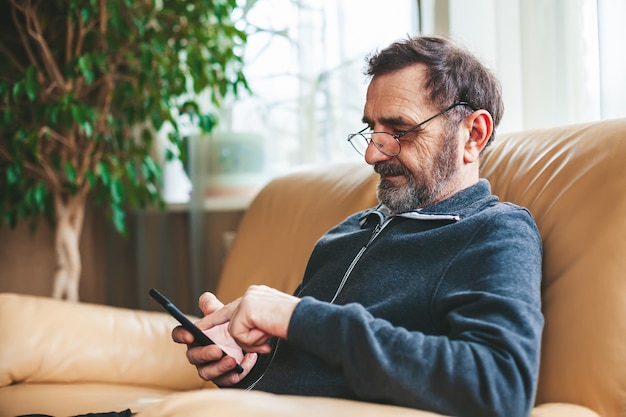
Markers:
(388, 121)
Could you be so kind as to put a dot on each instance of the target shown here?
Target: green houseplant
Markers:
(84, 85)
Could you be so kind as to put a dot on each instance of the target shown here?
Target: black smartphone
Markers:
(198, 335)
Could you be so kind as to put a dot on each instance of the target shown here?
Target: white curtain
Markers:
(560, 61)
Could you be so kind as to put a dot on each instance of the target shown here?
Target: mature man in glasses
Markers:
(430, 300)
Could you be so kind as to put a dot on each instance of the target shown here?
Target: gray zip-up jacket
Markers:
(438, 310)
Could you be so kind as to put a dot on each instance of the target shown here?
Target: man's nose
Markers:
(374, 155)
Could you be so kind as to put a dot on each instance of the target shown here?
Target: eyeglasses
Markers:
(388, 143)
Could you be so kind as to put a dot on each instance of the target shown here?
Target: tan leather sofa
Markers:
(65, 359)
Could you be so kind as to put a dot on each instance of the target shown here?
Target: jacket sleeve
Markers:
(486, 362)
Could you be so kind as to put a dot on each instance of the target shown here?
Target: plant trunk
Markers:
(70, 213)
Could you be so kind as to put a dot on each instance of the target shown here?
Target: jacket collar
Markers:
(454, 208)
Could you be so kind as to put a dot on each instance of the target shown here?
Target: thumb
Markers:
(209, 303)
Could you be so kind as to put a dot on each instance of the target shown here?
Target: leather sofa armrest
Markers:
(53, 341)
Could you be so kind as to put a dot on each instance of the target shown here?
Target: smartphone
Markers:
(198, 335)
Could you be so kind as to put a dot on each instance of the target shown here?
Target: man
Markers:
(430, 300)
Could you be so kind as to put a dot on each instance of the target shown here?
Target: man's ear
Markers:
(480, 126)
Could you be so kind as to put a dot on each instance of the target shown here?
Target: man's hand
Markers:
(261, 313)
(208, 359)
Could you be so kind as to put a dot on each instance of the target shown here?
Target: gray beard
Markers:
(417, 192)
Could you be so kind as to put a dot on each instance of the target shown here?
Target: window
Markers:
(305, 67)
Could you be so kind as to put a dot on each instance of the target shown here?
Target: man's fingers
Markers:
(215, 370)
(221, 316)
(230, 378)
(208, 303)
(252, 340)
(249, 360)
(199, 355)
(182, 335)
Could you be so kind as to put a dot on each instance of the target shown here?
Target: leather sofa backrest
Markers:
(572, 179)
(278, 231)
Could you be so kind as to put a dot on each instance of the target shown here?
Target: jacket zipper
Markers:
(379, 228)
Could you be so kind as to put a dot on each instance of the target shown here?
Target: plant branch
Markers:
(22, 33)
(85, 158)
(45, 130)
(106, 97)
(83, 30)
(104, 18)
(69, 40)
(5, 154)
(18, 65)
(35, 170)
(35, 31)
(86, 91)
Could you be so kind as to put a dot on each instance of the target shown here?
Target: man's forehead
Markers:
(391, 96)
(414, 76)
(394, 110)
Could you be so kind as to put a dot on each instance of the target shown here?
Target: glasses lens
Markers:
(385, 143)
(359, 143)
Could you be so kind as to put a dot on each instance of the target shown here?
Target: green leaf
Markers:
(119, 218)
(70, 172)
(207, 122)
(87, 128)
(17, 90)
(85, 65)
(92, 179)
(170, 155)
(104, 172)
(150, 169)
(77, 114)
(31, 83)
(117, 190)
(10, 218)
(39, 196)
(131, 171)
(8, 116)
(86, 14)
(13, 174)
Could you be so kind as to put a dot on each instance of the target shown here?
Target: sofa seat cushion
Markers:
(237, 403)
(75, 399)
(562, 410)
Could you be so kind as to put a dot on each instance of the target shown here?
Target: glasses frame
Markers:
(397, 136)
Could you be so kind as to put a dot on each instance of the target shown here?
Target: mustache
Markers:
(386, 168)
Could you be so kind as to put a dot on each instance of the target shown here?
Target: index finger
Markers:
(208, 303)
(221, 316)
